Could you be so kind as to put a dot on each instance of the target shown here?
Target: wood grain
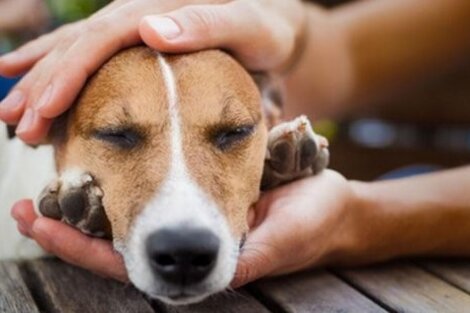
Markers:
(456, 272)
(14, 295)
(314, 292)
(406, 288)
(227, 302)
(69, 289)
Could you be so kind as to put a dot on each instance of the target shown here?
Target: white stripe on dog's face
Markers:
(179, 203)
(195, 160)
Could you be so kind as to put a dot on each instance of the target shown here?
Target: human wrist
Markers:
(394, 227)
(369, 229)
(383, 223)
(347, 243)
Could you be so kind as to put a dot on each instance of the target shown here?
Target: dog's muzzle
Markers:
(182, 256)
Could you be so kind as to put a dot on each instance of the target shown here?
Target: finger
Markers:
(23, 230)
(32, 127)
(259, 257)
(241, 27)
(22, 59)
(23, 213)
(76, 248)
(256, 260)
(261, 209)
(104, 38)
(263, 252)
(12, 107)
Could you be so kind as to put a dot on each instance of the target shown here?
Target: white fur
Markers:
(293, 127)
(179, 202)
(24, 171)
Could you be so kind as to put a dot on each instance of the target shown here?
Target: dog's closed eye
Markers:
(226, 137)
(123, 138)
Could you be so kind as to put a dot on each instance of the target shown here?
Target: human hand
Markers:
(59, 63)
(306, 223)
(69, 244)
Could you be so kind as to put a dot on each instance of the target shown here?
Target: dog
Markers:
(165, 154)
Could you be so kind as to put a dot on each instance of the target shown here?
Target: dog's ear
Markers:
(56, 133)
(271, 97)
(11, 131)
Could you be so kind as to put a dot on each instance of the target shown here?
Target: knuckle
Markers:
(205, 20)
(256, 9)
(97, 25)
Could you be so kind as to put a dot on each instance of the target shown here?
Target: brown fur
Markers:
(214, 91)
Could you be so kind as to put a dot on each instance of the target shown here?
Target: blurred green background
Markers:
(65, 11)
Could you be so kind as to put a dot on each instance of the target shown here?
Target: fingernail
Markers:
(26, 121)
(12, 101)
(165, 26)
(44, 99)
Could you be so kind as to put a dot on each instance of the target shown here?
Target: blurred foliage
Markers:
(65, 11)
(326, 128)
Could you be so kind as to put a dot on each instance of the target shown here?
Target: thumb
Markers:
(258, 258)
(241, 28)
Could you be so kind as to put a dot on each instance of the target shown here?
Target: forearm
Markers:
(422, 215)
(368, 49)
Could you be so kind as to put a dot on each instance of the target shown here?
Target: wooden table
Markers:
(415, 286)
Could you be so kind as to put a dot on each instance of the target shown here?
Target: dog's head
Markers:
(177, 145)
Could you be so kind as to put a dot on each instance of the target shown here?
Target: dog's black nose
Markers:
(182, 256)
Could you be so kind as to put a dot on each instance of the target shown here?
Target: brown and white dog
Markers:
(166, 154)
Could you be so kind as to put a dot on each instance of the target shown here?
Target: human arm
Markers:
(366, 50)
(326, 220)
(58, 64)
(318, 221)
(354, 53)
(423, 215)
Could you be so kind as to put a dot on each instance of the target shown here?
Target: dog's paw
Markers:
(294, 151)
(76, 199)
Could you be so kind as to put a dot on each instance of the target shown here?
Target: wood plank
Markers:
(14, 295)
(315, 291)
(227, 302)
(456, 272)
(69, 289)
(407, 288)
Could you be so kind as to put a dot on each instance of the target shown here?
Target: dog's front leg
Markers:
(294, 151)
(76, 199)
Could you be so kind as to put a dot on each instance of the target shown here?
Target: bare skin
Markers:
(323, 217)
(351, 55)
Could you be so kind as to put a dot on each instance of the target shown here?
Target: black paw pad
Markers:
(73, 205)
(78, 204)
